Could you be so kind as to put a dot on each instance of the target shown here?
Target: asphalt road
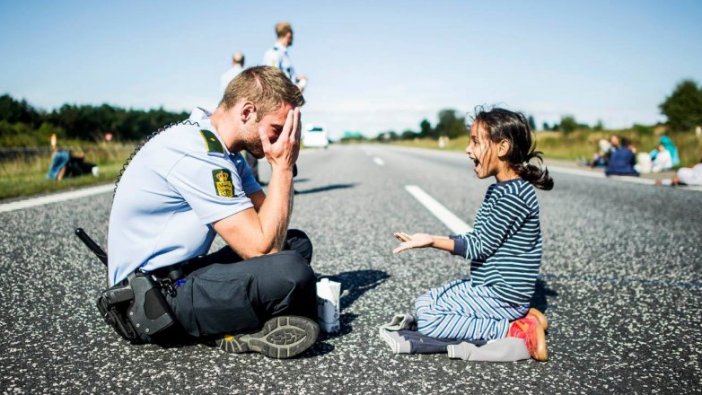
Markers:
(621, 285)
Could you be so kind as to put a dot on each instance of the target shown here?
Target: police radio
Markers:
(135, 308)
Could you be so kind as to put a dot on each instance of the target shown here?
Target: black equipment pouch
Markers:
(136, 308)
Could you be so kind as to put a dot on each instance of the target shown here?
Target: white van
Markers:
(315, 137)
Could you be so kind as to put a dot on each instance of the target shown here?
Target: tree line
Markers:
(683, 109)
(22, 125)
(451, 123)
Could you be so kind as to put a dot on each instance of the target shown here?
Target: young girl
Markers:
(504, 247)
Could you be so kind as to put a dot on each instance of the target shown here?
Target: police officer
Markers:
(236, 68)
(278, 55)
(189, 183)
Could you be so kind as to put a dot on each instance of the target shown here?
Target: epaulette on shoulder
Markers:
(213, 144)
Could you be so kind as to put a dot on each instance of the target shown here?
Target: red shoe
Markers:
(529, 329)
(539, 317)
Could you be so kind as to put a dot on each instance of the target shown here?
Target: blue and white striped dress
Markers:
(505, 249)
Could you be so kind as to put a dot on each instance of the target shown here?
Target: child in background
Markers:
(504, 247)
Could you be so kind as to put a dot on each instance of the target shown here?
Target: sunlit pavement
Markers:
(620, 285)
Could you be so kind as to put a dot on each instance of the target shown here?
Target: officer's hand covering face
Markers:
(270, 125)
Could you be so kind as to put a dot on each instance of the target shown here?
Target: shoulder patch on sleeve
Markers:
(213, 144)
(223, 182)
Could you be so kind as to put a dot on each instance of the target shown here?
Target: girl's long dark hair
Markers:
(502, 124)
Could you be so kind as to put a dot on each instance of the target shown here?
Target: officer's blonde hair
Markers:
(282, 28)
(266, 87)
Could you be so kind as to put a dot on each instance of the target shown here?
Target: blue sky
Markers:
(372, 66)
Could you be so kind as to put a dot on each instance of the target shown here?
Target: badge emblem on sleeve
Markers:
(223, 182)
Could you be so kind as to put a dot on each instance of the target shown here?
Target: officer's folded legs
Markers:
(237, 298)
(297, 240)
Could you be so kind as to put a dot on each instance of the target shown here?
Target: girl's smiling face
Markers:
(481, 150)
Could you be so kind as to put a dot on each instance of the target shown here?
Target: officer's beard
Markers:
(252, 142)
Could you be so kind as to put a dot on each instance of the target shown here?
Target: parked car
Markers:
(315, 137)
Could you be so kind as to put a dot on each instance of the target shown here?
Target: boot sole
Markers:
(281, 337)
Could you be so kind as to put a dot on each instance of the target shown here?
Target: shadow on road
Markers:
(541, 294)
(356, 283)
(325, 188)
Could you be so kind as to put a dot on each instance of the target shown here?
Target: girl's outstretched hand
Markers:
(417, 240)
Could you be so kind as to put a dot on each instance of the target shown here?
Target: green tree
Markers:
(14, 111)
(83, 122)
(532, 122)
(425, 129)
(389, 135)
(408, 134)
(684, 106)
(568, 124)
(546, 126)
(450, 124)
(599, 125)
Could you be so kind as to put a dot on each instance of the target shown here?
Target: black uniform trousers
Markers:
(221, 293)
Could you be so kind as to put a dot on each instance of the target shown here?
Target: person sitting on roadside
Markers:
(601, 157)
(622, 159)
(663, 157)
(669, 146)
(647, 163)
(66, 164)
(663, 160)
(685, 176)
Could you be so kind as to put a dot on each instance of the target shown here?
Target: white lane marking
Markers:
(55, 198)
(455, 224)
(378, 161)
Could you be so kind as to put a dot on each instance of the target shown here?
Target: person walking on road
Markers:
(237, 67)
(504, 247)
(187, 184)
(278, 55)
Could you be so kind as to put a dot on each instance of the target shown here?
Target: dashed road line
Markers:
(55, 198)
(455, 224)
(378, 161)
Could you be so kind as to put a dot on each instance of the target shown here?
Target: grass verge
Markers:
(581, 144)
(26, 176)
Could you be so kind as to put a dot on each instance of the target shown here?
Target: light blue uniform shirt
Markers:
(278, 57)
(177, 185)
